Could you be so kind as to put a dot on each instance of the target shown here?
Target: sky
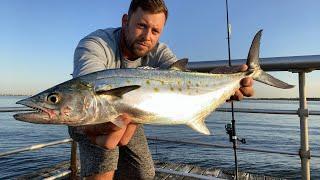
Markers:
(38, 37)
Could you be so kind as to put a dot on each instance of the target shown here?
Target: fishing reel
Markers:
(229, 131)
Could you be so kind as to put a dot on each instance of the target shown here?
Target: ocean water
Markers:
(263, 131)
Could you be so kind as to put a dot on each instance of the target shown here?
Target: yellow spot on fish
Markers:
(189, 82)
(162, 82)
(156, 89)
(197, 84)
(128, 81)
(179, 89)
(148, 82)
(171, 88)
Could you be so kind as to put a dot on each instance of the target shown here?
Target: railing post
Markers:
(73, 160)
(304, 135)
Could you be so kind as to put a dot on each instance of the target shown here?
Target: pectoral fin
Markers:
(118, 92)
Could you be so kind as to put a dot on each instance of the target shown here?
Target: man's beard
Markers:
(130, 45)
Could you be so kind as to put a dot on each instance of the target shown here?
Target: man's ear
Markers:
(125, 19)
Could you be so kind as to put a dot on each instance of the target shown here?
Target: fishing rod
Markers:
(231, 129)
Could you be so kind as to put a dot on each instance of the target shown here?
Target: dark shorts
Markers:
(132, 161)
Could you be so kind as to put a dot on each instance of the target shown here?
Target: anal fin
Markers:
(198, 121)
(199, 125)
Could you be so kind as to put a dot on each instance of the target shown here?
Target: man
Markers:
(105, 147)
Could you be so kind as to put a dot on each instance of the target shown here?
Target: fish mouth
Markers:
(39, 115)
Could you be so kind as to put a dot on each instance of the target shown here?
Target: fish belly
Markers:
(167, 107)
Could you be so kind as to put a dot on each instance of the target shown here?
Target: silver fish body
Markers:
(149, 96)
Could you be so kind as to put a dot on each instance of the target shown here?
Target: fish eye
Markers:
(53, 98)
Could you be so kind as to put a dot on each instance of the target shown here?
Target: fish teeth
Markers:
(37, 109)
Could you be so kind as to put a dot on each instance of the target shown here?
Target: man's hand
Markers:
(108, 135)
(246, 88)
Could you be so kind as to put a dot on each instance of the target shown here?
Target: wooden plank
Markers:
(256, 177)
(212, 172)
(163, 176)
(47, 172)
(244, 175)
(195, 170)
(272, 178)
(160, 175)
(171, 166)
(158, 164)
(182, 168)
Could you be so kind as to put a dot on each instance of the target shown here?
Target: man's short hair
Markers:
(152, 6)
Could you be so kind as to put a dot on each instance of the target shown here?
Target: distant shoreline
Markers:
(15, 95)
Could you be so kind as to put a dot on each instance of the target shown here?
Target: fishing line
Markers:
(233, 122)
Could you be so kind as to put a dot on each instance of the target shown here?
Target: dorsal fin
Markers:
(253, 55)
(180, 65)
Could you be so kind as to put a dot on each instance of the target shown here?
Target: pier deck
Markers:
(164, 171)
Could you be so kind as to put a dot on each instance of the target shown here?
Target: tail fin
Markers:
(254, 66)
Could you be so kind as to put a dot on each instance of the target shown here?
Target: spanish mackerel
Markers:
(148, 95)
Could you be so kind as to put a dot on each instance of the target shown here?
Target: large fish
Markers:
(148, 95)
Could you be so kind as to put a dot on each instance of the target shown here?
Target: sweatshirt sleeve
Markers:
(89, 56)
(165, 56)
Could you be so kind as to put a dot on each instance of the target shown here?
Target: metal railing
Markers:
(297, 64)
(193, 142)
(35, 147)
(288, 63)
